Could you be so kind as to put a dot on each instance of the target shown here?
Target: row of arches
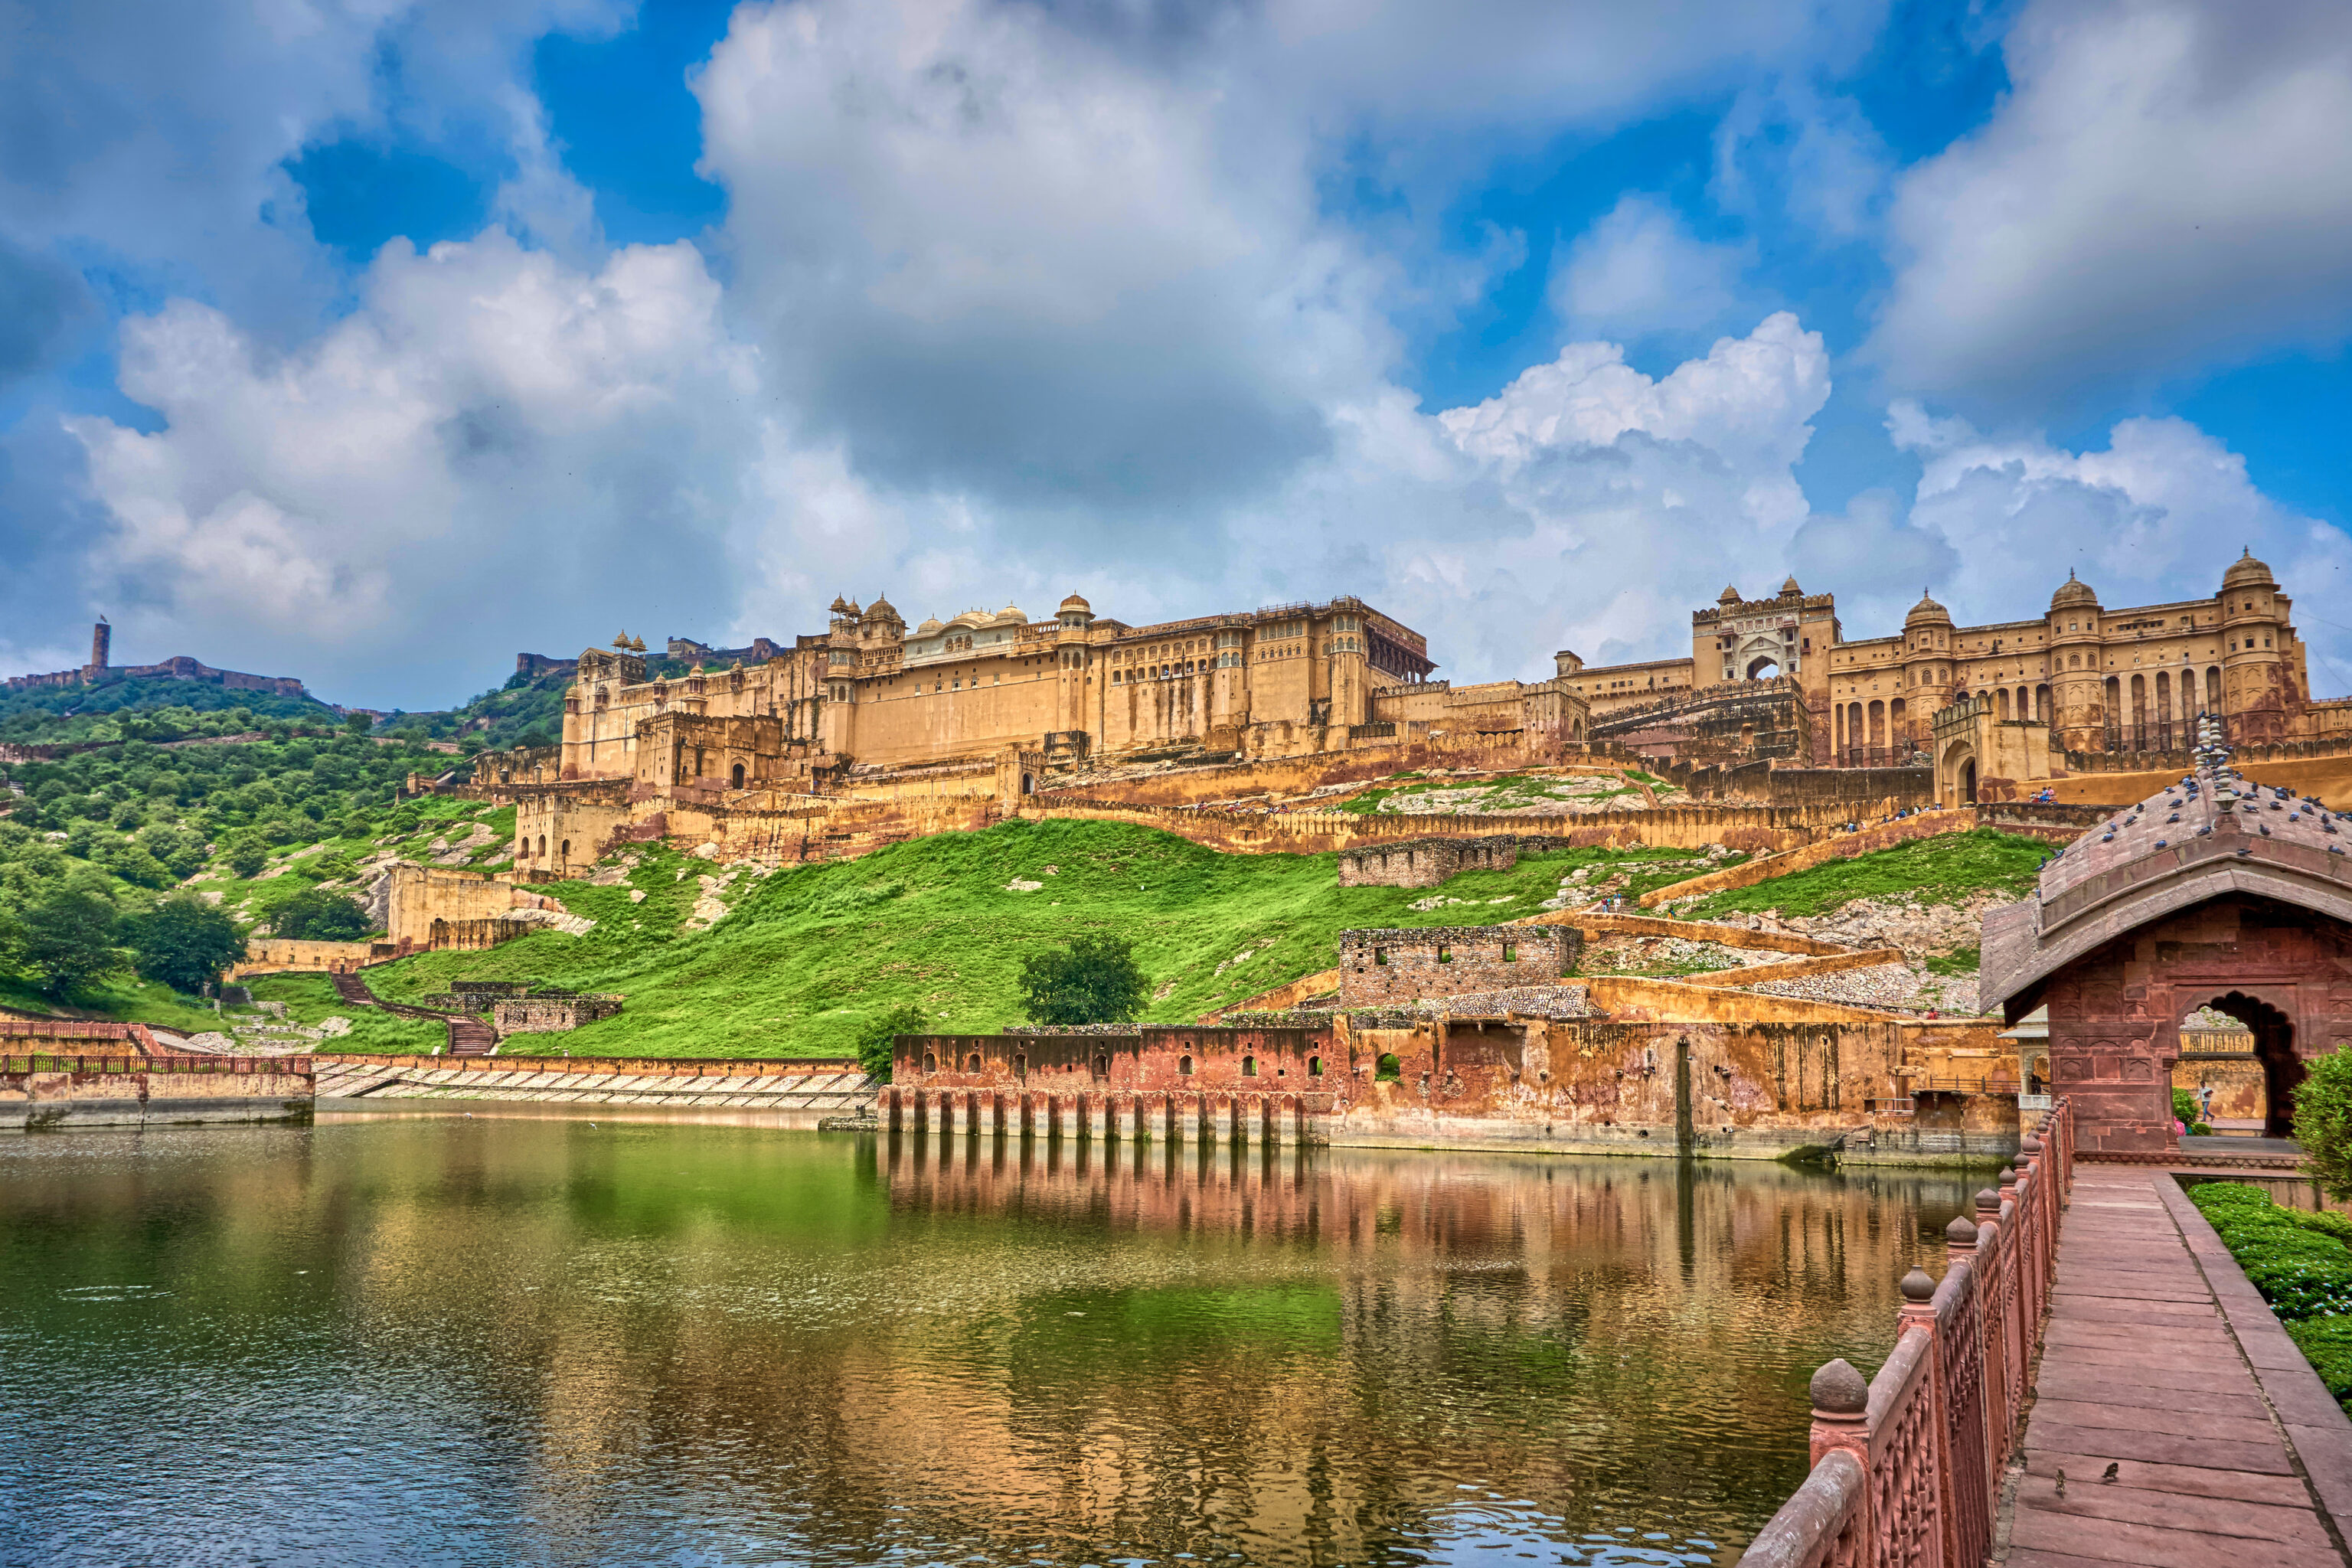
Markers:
(523, 851)
(1175, 1115)
(1100, 1068)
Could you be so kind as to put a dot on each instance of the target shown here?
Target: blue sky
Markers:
(375, 343)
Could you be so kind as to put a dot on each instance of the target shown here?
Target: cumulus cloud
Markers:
(2157, 515)
(2169, 186)
(1640, 269)
(492, 439)
(1586, 505)
(998, 255)
(152, 137)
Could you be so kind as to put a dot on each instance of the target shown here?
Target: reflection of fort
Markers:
(849, 1350)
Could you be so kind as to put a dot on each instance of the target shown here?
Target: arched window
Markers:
(931, 1063)
(1314, 1067)
(737, 775)
(523, 850)
(1388, 1070)
(565, 853)
(1020, 1066)
(2213, 689)
(1249, 1067)
(2001, 704)
(1184, 1066)
(542, 846)
(972, 1065)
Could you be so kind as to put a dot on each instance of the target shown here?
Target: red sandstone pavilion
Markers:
(2214, 892)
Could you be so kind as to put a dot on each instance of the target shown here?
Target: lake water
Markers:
(523, 1340)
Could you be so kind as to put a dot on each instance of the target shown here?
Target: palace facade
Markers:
(870, 691)
(2128, 679)
(1771, 678)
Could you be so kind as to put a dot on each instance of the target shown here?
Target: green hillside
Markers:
(807, 953)
(1945, 870)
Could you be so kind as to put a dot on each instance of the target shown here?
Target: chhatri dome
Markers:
(2246, 572)
(1927, 611)
(2074, 593)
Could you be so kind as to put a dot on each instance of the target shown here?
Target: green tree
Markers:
(358, 723)
(1094, 980)
(248, 854)
(874, 1038)
(69, 939)
(2323, 1123)
(315, 914)
(184, 943)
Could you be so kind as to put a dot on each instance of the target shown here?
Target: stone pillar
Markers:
(1163, 1112)
(1065, 1116)
(1222, 1123)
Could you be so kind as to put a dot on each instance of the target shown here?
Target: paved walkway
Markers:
(2162, 1369)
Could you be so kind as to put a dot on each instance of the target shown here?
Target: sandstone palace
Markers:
(1016, 698)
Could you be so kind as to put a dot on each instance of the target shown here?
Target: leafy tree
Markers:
(68, 941)
(874, 1040)
(248, 854)
(184, 943)
(358, 723)
(1094, 981)
(2323, 1123)
(315, 914)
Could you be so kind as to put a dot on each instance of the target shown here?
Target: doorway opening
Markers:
(2238, 1067)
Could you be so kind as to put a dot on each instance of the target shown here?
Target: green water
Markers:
(505, 1340)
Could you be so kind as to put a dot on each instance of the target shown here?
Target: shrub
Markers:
(875, 1039)
(2184, 1105)
(67, 939)
(248, 854)
(184, 943)
(2326, 1343)
(314, 915)
(1094, 980)
(2323, 1123)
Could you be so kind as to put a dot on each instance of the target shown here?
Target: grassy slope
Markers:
(811, 951)
(1940, 870)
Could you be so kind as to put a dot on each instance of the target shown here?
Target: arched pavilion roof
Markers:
(2214, 833)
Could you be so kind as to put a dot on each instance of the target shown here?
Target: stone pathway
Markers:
(2162, 1367)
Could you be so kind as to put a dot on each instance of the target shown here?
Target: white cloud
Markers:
(494, 444)
(2157, 515)
(1000, 256)
(2169, 186)
(1640, 269)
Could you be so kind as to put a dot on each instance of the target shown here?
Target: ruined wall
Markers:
(1382, 966)
(263, 954)
(550, 1014)
(1426, 862)
(418, 896)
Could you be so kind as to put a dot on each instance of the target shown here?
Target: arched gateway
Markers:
(2216, 893)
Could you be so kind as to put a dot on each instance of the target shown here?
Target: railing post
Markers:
(1841, 1412)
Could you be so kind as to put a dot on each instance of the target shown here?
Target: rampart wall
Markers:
(1383, 966)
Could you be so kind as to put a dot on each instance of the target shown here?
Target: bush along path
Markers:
(2302, 1263)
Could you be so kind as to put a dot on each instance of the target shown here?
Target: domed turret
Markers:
(882, 609)
(930, 623)
(1075, 612)
(2073, 594)
(2247, 572)
(1927, 612)
(1729, 596)
(1011, 616)
(840, 606)
(1789, 590)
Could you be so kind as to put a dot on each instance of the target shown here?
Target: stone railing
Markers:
(1908, 1466)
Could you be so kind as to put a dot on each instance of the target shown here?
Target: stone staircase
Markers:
(471, 1038)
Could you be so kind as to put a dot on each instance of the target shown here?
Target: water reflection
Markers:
(495, 1341)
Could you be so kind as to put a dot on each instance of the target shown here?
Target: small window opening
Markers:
(1379, 955)
(1249, 1067)
(931, 1063)
(1445, 953)
(1184, 1066)
(1510, 954)
(1388, 1070)
(973, 1063)
(1020, 1066)
(1314, 1067)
